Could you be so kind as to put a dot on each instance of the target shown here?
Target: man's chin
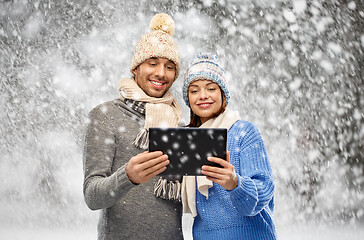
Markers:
(156, 94)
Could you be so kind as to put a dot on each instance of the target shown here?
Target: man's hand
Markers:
(142, 167)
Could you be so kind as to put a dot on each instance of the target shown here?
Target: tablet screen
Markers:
(188, 148)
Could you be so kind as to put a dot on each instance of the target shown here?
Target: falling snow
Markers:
(294, 69)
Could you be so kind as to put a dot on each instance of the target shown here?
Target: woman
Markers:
(236, 201)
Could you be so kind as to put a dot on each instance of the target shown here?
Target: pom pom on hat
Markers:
(158, 43)
(210, 56)
(163, 22)
(205, 67)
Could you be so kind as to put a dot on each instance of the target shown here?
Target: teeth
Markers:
(205, 105)
(157, 83)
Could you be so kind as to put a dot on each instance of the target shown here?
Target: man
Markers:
(118, 172)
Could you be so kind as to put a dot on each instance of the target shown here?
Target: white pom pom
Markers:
(163, 22)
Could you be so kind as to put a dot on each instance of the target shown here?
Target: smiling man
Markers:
(155, 76)
(118, 172)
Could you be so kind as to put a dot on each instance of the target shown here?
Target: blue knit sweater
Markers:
(246, 211)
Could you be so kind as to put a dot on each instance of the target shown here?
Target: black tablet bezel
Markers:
(195, 143)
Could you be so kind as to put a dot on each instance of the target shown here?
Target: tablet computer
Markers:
(188, 148)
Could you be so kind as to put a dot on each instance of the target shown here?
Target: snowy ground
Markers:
(89, 233)
(321, 233)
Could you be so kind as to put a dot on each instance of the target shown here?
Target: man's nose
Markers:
(160, 71)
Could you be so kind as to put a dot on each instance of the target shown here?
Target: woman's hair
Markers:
(195, 120)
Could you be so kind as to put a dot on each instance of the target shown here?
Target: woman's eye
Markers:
(212, 89)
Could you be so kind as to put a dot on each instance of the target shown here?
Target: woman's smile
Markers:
(204, 105)
(205, 99)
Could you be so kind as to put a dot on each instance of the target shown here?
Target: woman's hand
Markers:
(225, 177)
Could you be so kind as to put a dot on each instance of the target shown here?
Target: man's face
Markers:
(155, 76)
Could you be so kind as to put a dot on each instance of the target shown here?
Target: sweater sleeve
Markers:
(256, 187)
(101, 187)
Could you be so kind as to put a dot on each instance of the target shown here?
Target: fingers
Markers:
(150, 162)
(216, 172)
(225, 177)
(154, 165)
(219, 161)
(144, 166)
(155, 173)
(146, 156)
(228, 181)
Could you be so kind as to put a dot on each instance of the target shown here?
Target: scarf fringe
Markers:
(169, 190)
(142, 139)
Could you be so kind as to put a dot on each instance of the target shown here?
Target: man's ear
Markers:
(134, 71)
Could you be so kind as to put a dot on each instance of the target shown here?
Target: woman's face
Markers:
(205, 98)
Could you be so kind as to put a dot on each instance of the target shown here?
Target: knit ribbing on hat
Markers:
(205, 67)
(158, 44)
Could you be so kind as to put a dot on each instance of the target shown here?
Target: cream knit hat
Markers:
(158, 43)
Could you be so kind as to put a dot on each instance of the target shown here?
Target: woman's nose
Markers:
(203, 94)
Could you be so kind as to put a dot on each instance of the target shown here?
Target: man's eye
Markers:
(170, 67)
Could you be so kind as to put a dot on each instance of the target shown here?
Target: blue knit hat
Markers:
(205, 67)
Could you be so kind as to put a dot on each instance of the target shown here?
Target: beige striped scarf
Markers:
(159, 112)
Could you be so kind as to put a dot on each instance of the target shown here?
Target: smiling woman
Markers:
(234, 201)
(206, 99)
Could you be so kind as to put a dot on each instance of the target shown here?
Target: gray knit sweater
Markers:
(128, 211)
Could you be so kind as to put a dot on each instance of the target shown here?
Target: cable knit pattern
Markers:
(246, 211)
